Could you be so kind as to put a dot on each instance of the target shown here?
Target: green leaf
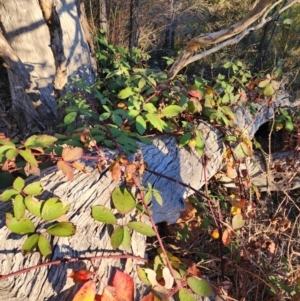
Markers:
(33, 206)
(44, 246)
(141, 228)
(28, 157)
(20, 226)
(19, 206)
(200, 286)
(8, 194)
(34, 188)
(30, 243)
(117, 237)
(185, 138)
(149, 107)
(140, 124)
(6, 142)
(171, 111)
(123, 200)
(143, 275)
(104, 116)
(103, 214)
(264, 83)
(125, 93)
(52, 209)
(40, 141)
(148, 197)
(63, 229)
(185, 295)
(269, 90)
(155, 121)
(238, 221)
(69, 118)
(200, 146)
(18, 184)
(126, 243)
(158, 197)
(11, 153)
(6, 147)
(116, 119)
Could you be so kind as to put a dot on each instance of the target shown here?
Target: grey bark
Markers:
(46, 42)
(172, 165)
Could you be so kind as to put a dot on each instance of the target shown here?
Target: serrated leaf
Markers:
(104, 116)
(28, 157)
(40, 141)
(126, 243)
(149, 107)
(19, 206)
(33, 189)
(52, 209)
(69, 118)
(141, 228)
(185, 295)
(185, 138)
(155, 121)
(8, 194)
(238, 221)
(117, 237)
(20, 226)
(125, 93)
(66, 169)
(44, 246)
(103, 214)
(33, 206)
(140, 124)
(123, 200)
(72, 154)
(63, 229)
(157, 197)
(200, 286)
(171, 111)
(269, 90)
(30, 243)
(18, 184)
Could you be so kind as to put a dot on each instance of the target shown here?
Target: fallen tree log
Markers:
(170, 167)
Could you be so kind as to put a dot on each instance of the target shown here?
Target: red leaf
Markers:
(66, 169)
(115, 170)
(72, 154)
(81, 275)
(149, 297)
(124, 286)
(109, 294)
(195, 93)
(87, 292)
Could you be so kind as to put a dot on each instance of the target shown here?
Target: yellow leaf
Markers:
(215, 234)
(235, 210)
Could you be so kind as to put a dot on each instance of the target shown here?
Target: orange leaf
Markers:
(124, 286)
(81, 275)
(87, 292)
(72, 154)
(98, 298)
(194, 271)
(195, 93)
(115, 170)
(215, 234)
(80, 166)
(149, 297)
(230, 171)
(226, 238)
(66, 169)
(109, 294)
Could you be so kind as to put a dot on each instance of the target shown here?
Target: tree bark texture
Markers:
(43, 46)
(168, 167)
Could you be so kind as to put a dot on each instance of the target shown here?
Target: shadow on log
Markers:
(93, 238)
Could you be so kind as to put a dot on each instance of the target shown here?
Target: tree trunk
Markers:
(175, 172)
(43, 45)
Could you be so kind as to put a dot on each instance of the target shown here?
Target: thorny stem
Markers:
(73, 259)
(141, 194)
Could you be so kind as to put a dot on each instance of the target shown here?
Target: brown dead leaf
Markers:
(230, 170)
(31, 170)
(226, 238)
(115, 170)
(72, 154)
(80, 166)
(66, 169)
